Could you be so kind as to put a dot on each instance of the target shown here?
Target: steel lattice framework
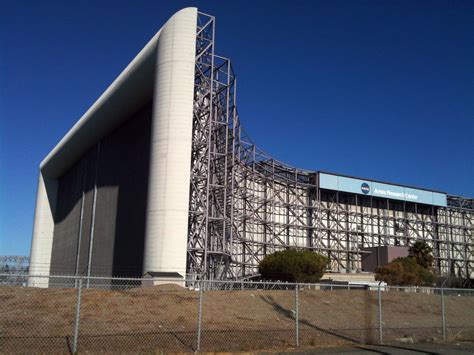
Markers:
(244, 204)
(14, 264)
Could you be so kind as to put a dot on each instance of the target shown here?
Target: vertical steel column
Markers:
(465, 241)
(319, 217)
(357, 215)
(386, 216)
(449, 239)
(81, 219)
(345, 212)
(405, 223)
(242, 219)
(436, 239)
(225, 247)
(287, 214)
(78, 317)
(273, 212)
(200, 170)
(209, 154)
(338, 238)
(316, 220)
(232, 185)
(372, 222)
(94, 204)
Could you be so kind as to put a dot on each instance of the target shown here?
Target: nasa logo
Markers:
(365, 188)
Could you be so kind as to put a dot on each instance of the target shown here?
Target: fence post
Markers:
(380, 316)
(443, 316)
(297, 315)
(78, 316)
(199, 318)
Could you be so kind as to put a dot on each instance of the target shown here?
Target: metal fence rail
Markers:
(97, 314)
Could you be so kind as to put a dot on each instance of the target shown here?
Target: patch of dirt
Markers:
(165, 318)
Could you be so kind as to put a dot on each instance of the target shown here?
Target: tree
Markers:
(415, 270)
(423, 254)
(293, 266)
(405, 272)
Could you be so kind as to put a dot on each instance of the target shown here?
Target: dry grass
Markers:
(164, 318)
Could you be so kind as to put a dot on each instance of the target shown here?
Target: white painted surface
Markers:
(43, 229)
(171, 139)
(164, 71)
(128, 92)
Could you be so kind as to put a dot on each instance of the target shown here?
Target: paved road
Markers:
(456, 349)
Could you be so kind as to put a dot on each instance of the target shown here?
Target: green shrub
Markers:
(423, 254)
(293, 266)
(405, 272)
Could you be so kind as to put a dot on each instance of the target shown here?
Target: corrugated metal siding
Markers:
(87, 216)
(66, 228)
(122, 185)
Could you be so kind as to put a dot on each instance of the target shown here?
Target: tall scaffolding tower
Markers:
(245, 205)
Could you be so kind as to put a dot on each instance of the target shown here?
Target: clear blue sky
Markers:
(377, 89)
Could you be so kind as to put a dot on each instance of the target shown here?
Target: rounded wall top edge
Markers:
(180, 13)
(84, 133)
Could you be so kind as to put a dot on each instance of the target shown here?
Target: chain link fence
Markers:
(61, 314)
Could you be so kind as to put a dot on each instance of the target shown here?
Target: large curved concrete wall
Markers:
(163, 72)
(171, 140)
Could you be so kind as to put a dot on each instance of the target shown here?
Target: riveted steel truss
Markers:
(245, 205)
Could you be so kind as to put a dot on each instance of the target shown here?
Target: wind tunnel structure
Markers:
(159, 176)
